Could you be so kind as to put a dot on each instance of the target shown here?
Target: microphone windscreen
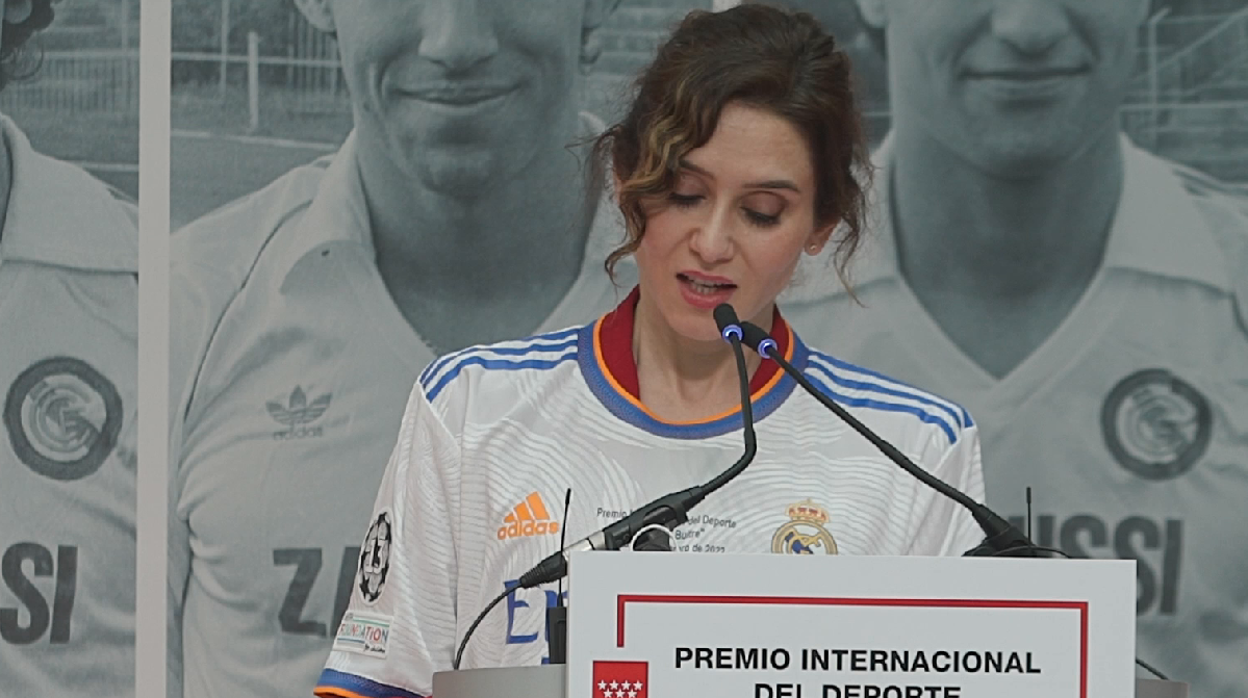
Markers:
(752, 335)
(725, 316)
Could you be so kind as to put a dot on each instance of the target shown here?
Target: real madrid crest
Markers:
(804, 534)
(63, 418)
(1155, 424)
(375, 558)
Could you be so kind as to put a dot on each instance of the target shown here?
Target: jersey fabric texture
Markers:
(1130, 422)
(493, 436)
(68, 361)
(291, 365)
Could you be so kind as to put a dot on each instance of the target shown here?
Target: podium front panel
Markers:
(517, 682)
(549, 682)
(774, 626)
(1154, 688)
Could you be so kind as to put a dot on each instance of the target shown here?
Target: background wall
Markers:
(278, 446)
(68, 364)
(81, 102)
(252, 102)
(231, 137)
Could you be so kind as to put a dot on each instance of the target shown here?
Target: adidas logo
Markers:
(297, 415)
(529, 518)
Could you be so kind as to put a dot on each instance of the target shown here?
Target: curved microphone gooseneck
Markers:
(668, 511)
(1001, 537)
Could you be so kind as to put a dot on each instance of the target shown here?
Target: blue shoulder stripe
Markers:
(340, 683)
(958, 412)
(877, 388)
(550, 342)
(530, 348)
(433, 366)
(496, 365)
(923, 415)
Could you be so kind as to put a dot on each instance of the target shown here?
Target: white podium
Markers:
(768, 626)
(551, 682)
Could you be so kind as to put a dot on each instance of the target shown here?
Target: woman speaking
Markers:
(741, 152)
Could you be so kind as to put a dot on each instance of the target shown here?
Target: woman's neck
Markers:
(680, 379)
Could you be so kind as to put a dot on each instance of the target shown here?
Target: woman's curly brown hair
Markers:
(15, 62)
(756, 55)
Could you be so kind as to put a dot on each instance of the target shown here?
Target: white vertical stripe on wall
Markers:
(153, 378)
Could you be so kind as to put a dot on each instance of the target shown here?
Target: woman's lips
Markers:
(704, 291)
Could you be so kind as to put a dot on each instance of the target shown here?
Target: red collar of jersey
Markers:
(616, 335)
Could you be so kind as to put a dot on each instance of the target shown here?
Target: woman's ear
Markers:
(819, 238)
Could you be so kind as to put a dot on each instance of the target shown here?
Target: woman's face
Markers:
(733, 228)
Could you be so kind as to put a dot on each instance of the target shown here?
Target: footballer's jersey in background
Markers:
(494, 436)
(68, 343)
(291, 366)
(1129, 423)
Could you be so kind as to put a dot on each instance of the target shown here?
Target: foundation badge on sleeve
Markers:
(363, 634)
(63, 417)
(804, 534)
(375, 558)
(1156, 425)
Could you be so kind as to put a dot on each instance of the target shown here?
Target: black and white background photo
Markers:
(356, 189)
(69, 249)
(1060, 243)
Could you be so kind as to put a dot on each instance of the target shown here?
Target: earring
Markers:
(812, 248)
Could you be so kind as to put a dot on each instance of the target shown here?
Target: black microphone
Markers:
(557, 615)
(1000, 537)
(668, 511)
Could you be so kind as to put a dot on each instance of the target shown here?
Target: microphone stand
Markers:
(1001, 538)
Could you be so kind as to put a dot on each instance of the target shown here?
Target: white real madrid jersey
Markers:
(290, 367)
(494, 436)
(1129, 423)
(68, 333)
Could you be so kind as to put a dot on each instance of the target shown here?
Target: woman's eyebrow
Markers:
(765, 184)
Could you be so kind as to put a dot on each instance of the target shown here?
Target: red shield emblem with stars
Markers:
(620, 679)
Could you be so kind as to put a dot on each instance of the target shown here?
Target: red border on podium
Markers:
(623, 600)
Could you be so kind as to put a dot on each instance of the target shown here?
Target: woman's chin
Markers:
(698, 329)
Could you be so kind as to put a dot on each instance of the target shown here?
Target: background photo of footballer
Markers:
(311, 283)
(1125, 416)
(1061, 245)
(68, 346)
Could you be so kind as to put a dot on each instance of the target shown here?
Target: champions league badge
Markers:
(63, 418)
(375, 558)
(804, 534)
(1156, 425)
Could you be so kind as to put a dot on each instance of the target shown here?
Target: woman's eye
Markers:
(684, 200)
(761, 219)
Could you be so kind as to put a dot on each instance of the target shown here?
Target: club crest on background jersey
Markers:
(804, 534)
(375, 558)
(1155, 424)
(63, 417)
